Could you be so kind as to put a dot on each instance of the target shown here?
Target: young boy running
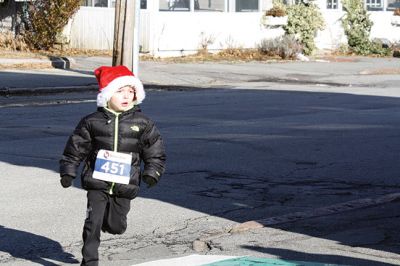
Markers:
(112, 143)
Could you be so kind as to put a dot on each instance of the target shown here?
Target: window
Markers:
(108, 3)
(100, 3)
(209, 5)
(289, 2)
(246, 5)
(374, 5)
(332, 4)
(86, 3)
(393, 4)
(174, 5)
(96, 3)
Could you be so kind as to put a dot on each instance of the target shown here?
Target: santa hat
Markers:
(111, 79)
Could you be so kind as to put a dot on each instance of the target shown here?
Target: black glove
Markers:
(149, 180)
(66, 181)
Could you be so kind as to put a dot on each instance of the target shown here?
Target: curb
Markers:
(61, 62)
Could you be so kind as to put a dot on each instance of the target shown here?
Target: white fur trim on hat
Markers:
(107, 92)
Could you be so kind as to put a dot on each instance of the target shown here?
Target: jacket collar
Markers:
(110, 113)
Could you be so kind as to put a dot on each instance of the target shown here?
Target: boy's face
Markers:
(122, 99)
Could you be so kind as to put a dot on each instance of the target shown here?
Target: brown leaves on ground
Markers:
(230, 55)
(381, 71)
(7, 53)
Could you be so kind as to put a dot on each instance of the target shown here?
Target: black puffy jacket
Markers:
(127, 132)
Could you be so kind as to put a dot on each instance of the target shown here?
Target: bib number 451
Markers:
(113, 168)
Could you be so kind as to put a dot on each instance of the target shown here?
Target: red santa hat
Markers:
(111, 79)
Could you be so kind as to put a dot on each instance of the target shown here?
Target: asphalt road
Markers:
(233, 156)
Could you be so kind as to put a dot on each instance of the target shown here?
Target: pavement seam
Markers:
(8, 91)
(318, 212)
(203, 243)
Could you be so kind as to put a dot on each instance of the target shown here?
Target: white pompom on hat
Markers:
(112, 78)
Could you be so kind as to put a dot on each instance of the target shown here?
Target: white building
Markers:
(176, 27)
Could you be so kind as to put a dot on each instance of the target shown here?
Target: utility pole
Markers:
(126, 34)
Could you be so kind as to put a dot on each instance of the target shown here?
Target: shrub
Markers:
(303, 22)
(276, 11)
(357, 27)
(378, 48)
(286, 47)
(10, 42)
(342, 49)
(205, 41)
(46, 20)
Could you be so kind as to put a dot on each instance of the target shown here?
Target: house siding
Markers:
(180, 33)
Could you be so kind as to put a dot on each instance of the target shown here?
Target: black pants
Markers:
(104, 212)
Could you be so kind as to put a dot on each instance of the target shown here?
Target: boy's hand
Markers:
(149, 180)
(66, 181)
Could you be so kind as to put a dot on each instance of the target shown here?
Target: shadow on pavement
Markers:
(324, 259)
(247, 155)
(34, 248)
(85, 72)
(11, 79)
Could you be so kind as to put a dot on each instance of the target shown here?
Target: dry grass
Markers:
(78, 52)
(26, 66)
(16, 48)
(231, 55)
(11, 45)
(381, 71)
(9, 42)
(227, 55)
(19, 54)
(341, 59)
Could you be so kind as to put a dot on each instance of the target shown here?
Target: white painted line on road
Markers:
(216, 260)
(192, 260)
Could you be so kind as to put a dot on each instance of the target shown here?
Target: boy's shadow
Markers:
(35, 248)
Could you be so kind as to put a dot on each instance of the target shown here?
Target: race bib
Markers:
(113, 166)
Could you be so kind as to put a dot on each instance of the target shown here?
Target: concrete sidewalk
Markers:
(338, 72)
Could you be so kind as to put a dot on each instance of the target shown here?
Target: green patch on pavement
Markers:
(252, 261)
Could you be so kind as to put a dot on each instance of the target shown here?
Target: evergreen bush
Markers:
(357, 27)
(304, 20)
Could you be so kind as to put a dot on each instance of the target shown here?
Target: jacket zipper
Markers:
(116, 126)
